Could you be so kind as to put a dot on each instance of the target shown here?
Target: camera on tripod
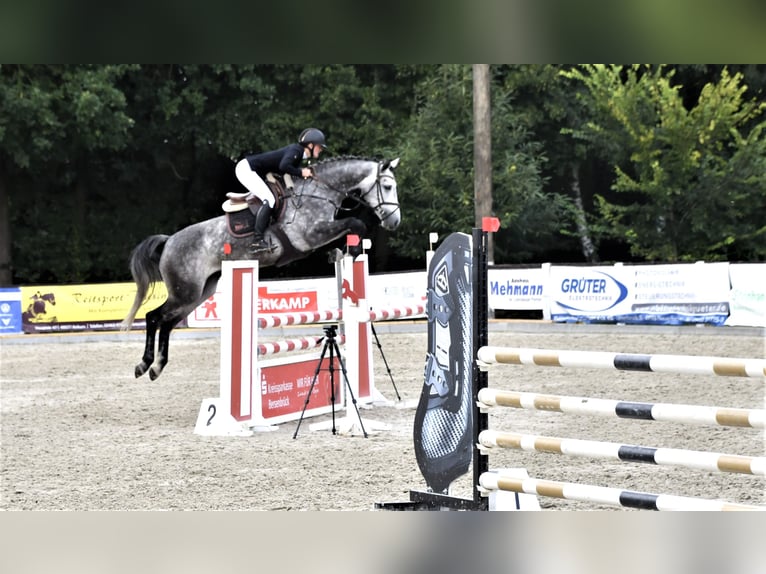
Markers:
(330, 331)
(331, 345)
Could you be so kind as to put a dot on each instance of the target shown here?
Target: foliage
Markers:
(93, 158)
(689, 180)
(437, 149)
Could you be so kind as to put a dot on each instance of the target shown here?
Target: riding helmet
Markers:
(312, 135)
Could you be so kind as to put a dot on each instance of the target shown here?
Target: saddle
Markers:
(240, 220)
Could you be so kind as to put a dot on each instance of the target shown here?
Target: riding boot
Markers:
(262, 218)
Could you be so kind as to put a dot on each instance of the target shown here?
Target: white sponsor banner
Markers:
(517, 289)
(393, 289)
(651, 294)
(588, 293)
(682, 293)
(747, 306)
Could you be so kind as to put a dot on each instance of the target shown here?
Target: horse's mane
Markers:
(333, 160)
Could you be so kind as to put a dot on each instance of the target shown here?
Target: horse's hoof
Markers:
(140, 370)
(154, 372)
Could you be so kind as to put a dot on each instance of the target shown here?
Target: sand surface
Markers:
(79, 432)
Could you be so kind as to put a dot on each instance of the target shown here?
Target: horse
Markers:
(38, 307)
(313, 215)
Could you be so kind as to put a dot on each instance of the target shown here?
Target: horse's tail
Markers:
(145, 269)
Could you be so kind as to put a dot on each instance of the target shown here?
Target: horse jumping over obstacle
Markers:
(189, 261)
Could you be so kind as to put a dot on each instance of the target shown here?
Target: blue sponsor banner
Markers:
(651, 294)
(10, 310)
(588, 294)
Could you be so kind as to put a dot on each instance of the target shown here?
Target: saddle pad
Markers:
(240, 223)
(230, 206)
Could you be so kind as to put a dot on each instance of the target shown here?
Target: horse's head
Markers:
(370, 183)
(382, 197)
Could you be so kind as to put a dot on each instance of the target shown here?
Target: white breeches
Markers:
(253, 182)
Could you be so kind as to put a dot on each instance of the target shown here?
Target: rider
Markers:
(252, 170)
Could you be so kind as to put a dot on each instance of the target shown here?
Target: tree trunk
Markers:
(6, 271)
(482, 150)
(588, 248)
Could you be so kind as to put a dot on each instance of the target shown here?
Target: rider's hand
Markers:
(306, 172)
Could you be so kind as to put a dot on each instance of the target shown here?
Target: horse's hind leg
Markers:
(172, 314)
(163, 346)
(152, 320)
(157, 319)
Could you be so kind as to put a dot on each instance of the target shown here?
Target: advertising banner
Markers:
(10, 310)
(285, 385)
(711, 293)
(589, 294)
(747, 306)
(677, 294)
(397, 289)
(58, 308)
(517, 289)
(653, 294)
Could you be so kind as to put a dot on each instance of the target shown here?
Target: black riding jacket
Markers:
(284, 160)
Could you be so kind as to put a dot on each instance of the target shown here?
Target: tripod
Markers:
(332, 345)
(388, 369)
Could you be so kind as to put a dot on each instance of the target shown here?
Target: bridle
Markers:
(359, 198)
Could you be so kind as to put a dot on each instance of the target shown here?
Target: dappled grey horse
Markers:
(189, 261)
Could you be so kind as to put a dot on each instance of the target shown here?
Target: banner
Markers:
(285, 385)
(517, 289)
(653, 294)
(391, 289)
(56, 308)
(10, 310)
(747, 298)
(671, 294)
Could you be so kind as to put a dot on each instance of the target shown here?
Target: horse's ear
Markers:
(389, 164)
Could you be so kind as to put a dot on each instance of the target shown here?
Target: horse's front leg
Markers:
(328, 231)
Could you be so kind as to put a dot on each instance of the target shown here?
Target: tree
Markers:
(437, 185)
(95, 158)
(55, 119)
(543, 101)
(687, 179)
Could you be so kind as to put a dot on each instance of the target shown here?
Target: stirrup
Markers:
(258, 246)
